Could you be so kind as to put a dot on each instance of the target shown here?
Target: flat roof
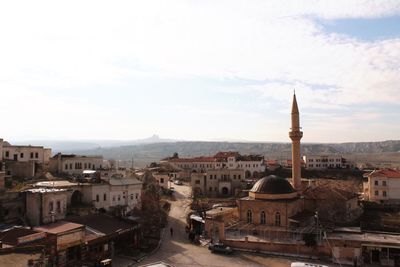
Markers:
(45, 190)
(58, 227)
(61, 183)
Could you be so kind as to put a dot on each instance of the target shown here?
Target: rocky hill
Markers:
(145, 153)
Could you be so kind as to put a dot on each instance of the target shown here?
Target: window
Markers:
(239, 176)
(31, 155)
(249, 216)
(234, 176)
(384, 183)
(211, 176)
(59, 206)
(384, 193)
(21, 155)
(210, 189)
(105, 197)
(376, 193)
(162, 180)
(97, 198)
(197, 182)
(119, 197)
(113, 198)
(70, 166)
(37, 155)
(137, 196)
(51, 206)
(7, 154)
(131, 196)
(376, 183)
(85, 165)
(262, 217)
(66, 166)
(277, 219)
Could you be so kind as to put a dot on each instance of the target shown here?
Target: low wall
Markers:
(321, 251)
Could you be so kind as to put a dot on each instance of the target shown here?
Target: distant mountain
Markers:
(146, 153)
(73, 146)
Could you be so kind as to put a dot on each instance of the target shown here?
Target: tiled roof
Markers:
(389, 173)
(197, 159)
(226, 154)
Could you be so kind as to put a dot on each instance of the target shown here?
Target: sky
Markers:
(199, 70)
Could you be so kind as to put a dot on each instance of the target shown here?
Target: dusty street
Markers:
(178, 251)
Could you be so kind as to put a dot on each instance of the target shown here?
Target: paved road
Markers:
(178, 251)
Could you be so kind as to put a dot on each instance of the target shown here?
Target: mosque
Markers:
(273, 200)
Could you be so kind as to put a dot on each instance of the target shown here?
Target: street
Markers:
(178, 251)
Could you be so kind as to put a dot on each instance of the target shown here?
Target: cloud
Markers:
(277, 44)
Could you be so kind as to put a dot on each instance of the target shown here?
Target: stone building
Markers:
(217, 182)
(24, 161)
(45, 205)
(382, 186)
(271, 202)
(75, 164)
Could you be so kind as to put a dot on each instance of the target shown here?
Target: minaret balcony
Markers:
(296, 134)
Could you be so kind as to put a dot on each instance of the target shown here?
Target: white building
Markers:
(75, 164)
(383, 186)
(117, 192)
(251, 164)
(322, 162)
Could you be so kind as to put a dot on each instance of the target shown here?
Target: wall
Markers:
(270, 208)
(25, 169)
(12, 206)
(33, 208)
(54, 197)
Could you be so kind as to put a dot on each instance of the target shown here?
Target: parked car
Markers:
(221, 248)
(178, 182)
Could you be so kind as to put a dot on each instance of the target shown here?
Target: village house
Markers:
(76, 164)
(24, 161)
(382, 186)
(45, 205)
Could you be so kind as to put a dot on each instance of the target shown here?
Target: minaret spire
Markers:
(296, 134)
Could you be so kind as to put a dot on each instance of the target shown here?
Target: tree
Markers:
(175, 155)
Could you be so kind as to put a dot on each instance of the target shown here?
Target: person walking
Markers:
(171, 230)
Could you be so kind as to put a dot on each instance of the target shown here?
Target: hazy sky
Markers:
(199, 70)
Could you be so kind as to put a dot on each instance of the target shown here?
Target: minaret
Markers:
(296, 134)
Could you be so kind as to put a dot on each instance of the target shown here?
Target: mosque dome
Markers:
(272, 187)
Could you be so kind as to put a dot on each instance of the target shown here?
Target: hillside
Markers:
(145, 153)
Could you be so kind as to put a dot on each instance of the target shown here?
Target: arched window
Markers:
(249, 216)
(262, 217)
(277, 219)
